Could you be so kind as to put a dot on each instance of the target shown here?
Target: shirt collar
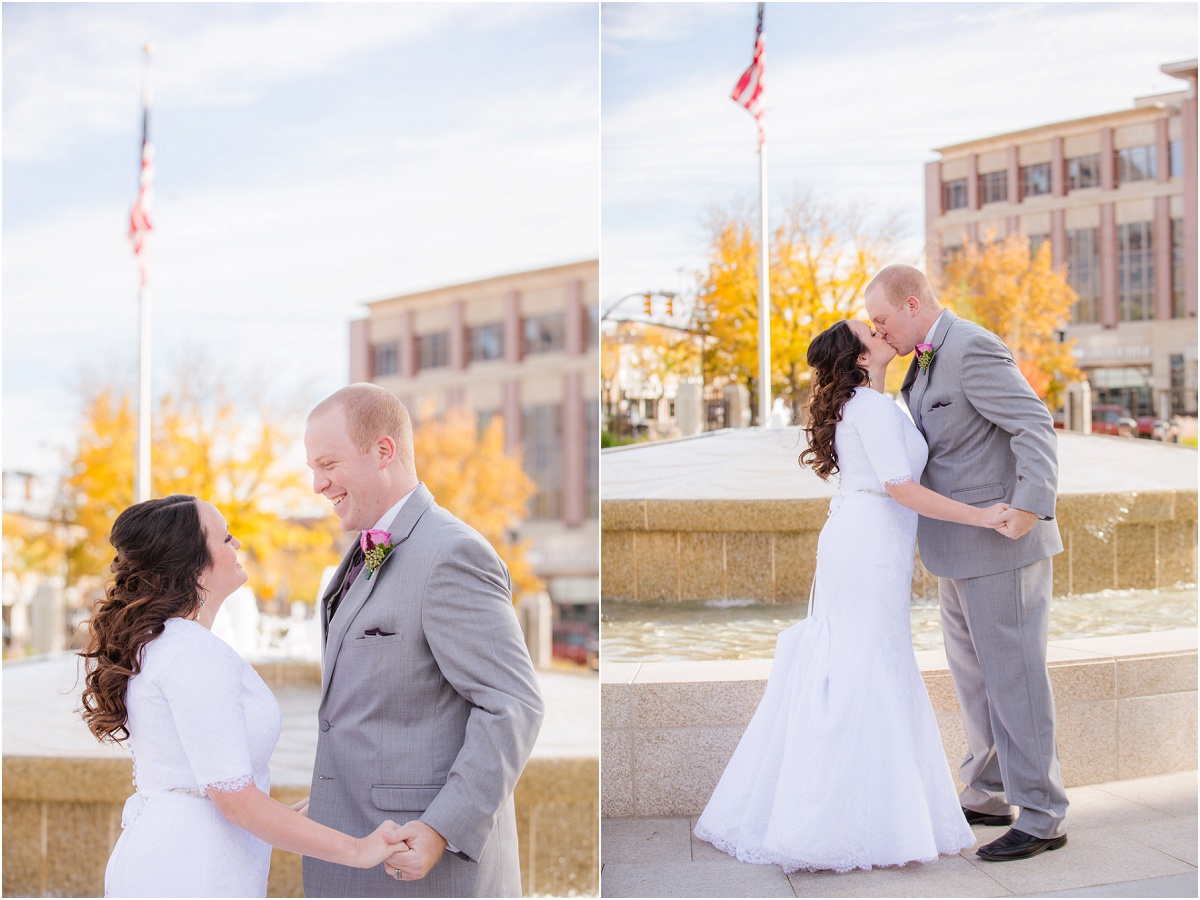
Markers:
(385, 521)
(929, 337)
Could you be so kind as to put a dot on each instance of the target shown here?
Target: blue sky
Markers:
(857, 94)
(310, 158)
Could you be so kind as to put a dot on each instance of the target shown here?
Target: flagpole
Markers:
(144, 425)
(764, 294)
(748, 93)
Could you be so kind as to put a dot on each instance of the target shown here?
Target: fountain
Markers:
(723, 527)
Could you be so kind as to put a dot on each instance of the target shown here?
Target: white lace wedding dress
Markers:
(200, 719)
(842, 767)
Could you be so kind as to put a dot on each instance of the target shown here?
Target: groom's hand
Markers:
(425, 848)
(1015, 523)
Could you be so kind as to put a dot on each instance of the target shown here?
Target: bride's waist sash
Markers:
(137, 802)
(840, 497)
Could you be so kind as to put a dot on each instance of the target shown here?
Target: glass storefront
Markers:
(1130, 387)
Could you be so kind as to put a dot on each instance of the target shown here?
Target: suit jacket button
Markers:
(324, 724)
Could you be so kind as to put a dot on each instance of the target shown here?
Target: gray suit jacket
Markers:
(990, 440)
(434, 719)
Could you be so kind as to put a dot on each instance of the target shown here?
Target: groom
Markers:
(429, 704)
(990, 439)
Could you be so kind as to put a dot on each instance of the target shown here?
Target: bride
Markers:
(842, 767)
(200, 722)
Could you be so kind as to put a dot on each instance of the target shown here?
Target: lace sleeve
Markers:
(204, 691)
(882, 431)
(228, 785)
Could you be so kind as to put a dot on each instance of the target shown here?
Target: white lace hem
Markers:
(795, 864)
(229, 785)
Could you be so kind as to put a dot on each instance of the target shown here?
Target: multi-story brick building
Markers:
(525, 347)
(1115, 194)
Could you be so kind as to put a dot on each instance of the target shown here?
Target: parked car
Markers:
(576, 642)
(1156, 429)
(1111, 419)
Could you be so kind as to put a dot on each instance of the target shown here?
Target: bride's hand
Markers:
(989, 517)
(302, 807)
(379, 845)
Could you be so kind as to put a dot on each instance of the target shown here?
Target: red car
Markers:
(1107, 419)
(576, 642)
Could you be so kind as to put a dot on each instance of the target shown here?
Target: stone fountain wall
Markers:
(1125, 705)
(765, 550)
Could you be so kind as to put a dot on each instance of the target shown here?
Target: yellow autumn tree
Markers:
(1024, 300)
(469, 473)
(823, 253)
(240, 455)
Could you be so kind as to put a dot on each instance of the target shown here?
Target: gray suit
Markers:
(992, 440)
(434, 719)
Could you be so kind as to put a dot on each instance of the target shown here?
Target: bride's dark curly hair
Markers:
(161, 553)
(833, 358)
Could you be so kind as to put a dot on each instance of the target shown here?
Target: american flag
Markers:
(139, 216)
(749, 89)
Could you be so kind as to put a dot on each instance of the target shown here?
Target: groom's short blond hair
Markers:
(372, 412)
(899, 282)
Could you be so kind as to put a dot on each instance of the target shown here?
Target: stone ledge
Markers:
(1126, 708)
(809, 513)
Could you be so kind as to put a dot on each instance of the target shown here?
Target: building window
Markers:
(385, 359)
(954, 194)
(1035, 180)
(591, 328)
(1176, 159)
(1177, 310)
(1035, 243)
(949, 255)
(486, 341)
(591, 461)
(544, 334)
(650, 409)
(1083, 172)
(993, 187)
(1137, 164)
(1183, 386)
(1135, 272)
(1129, 387)
(484, 419)
(433, 350)
(1083, 273)
(543, 459)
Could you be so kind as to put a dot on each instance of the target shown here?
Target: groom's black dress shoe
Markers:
(978, 818)
(1014, 844)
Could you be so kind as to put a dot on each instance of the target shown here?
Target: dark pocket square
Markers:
(377, 632)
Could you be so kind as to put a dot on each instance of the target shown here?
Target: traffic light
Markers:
(646, 307)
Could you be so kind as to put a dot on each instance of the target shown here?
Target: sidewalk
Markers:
(1134, 838)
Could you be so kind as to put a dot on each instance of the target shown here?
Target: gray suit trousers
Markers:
(995, 629)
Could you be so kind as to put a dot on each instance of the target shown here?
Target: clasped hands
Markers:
(417, 850)
(1008, 521)
(408, 851)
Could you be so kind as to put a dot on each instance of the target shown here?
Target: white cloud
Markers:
(71, 74)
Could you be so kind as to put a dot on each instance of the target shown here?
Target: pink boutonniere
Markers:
(924, 356)
(376, 545)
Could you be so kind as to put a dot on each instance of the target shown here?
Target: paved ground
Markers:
(1134, 838)
(760, 464)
